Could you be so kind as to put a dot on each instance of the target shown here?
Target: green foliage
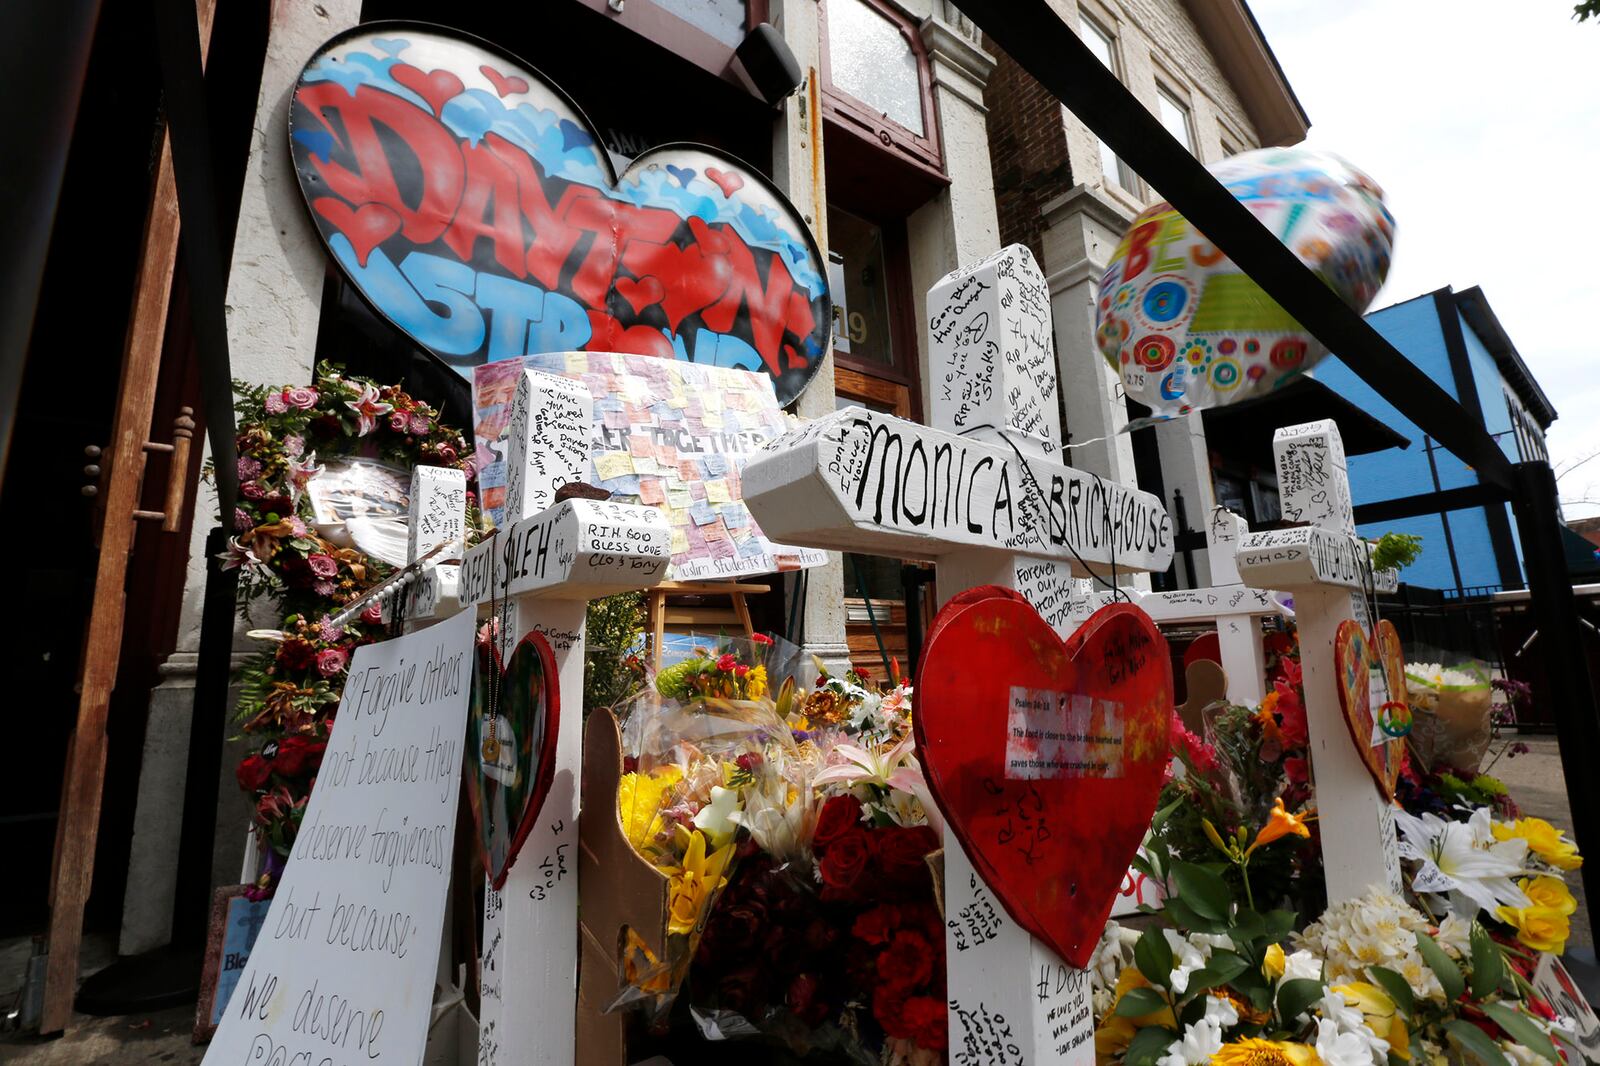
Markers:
(1443, 967)
(1395, 551)
(612, 668)
(1586, 9)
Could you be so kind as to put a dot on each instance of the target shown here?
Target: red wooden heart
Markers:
(1046, 757)
(1355, 656)
(514, 762)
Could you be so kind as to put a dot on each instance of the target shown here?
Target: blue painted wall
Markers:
(1414, 328)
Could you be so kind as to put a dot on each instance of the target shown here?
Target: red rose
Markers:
(877, 925)
(927, 1021)
(760, 638)
(907, 963)
(846, 864)
(253, 773)
(901, 852)
(839, 816)
(802, 999)
(727, 662)
(298, 755)
(889, 1007)
(297, 654)
(1295, 769)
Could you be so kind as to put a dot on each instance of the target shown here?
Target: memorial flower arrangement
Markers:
(793, 826)
(291, 567)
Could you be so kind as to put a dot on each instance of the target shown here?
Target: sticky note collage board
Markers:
(667, 434)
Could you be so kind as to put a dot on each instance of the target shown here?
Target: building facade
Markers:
(1204, 68)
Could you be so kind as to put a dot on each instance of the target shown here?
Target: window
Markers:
(861, 327)
(724, 20)
(1174, 116)
(876, 79)
(1101, 44)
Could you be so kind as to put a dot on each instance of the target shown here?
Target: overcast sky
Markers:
(1481, 120)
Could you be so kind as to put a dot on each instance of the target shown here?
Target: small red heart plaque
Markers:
(511, 736)
(1356, 658)
(1045, 756)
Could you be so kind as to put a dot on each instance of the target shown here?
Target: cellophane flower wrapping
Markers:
(1450, 712)
(822, 932)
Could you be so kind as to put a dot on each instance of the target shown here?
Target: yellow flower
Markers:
(755, 683)
(1253, 1051)
(1116, 1032)
(693, 884)
(1540, 928)
(1544, 840)
(639, 802)
(1549, 892)
(1380, 1013)
(1272, 966)
(1280, 823)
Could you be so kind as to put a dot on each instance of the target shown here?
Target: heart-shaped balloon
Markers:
(511, 735)
(1045, 756)
(1359, 661)
(514, 235)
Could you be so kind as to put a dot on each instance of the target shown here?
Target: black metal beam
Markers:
(1034, 35)
(1429, 503)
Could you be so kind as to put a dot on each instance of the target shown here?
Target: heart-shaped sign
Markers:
(1361, 663)
(1046, 757)
(511, 737)
(505, 231)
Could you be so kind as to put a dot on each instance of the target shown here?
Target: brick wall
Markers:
(1027, 150)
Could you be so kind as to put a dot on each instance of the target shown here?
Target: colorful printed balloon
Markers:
(1188, 330)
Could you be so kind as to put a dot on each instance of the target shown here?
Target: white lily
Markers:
(894, 768)
(1201, 1040)
(719, 818)
(1479, 869)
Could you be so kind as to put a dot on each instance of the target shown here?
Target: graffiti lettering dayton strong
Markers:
(473, 205)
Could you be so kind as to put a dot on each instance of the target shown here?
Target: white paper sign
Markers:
(344, 967)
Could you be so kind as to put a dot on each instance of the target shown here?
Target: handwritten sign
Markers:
(577, 550)
(344, 966)
(664, 434)
(859, 480)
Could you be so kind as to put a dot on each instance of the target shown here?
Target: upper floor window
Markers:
(1102, 44)
(875, 71)
(724, 20)
(1174, 115)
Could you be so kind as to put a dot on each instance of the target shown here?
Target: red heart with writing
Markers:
(512, 728)
(1357, 659)
(641, 292)
(727, 182)
(438, 87)
(366, 226)
(503, 85)
(1045, 756)
(518, 235)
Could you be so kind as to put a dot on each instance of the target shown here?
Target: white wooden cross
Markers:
(438, 515)
(1329, 571)
(548, 561)
(990, 509)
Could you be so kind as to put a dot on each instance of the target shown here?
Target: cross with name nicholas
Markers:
(985, 496)
(541, 570)
(1328, 568)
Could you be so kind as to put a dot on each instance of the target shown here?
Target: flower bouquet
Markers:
(1450, 707)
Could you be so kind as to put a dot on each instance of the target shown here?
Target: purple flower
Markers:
(304, 398)
(293, 445)
(419, 424)
(248, 468)
(241, 519)
(327, 630)
(322, 565)
(323, 588)
(275, 404)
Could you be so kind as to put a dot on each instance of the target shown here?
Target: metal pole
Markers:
(1566, 664)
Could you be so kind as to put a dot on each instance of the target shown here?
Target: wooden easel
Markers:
(693, 615)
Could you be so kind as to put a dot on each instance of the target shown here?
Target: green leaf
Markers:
(1201, 889)
(1294, 996)
(1148, 1045)
(1185, 917)
(1279, 923)
(1163, 814)
(1474, 1040)
(1228, 964)
(1137, 1002)
(1488, 966)
(1396, 987)
(1521, 1028)
(1153, 955)
(1141, 864)
(1443, 966)
(1247, 925)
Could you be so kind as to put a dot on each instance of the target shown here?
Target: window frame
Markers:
(1166, 93)
(898, 296)
(1125, 178)
(656, 23)
(858, 117)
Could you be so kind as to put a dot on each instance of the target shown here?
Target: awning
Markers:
(1250, 425)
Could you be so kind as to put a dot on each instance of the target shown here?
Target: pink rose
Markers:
(275, 404)
(297, 527)
(304, 398)
(331, 661)
(323, 565)
(447, 453)
(398, 422)
(373, 613)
